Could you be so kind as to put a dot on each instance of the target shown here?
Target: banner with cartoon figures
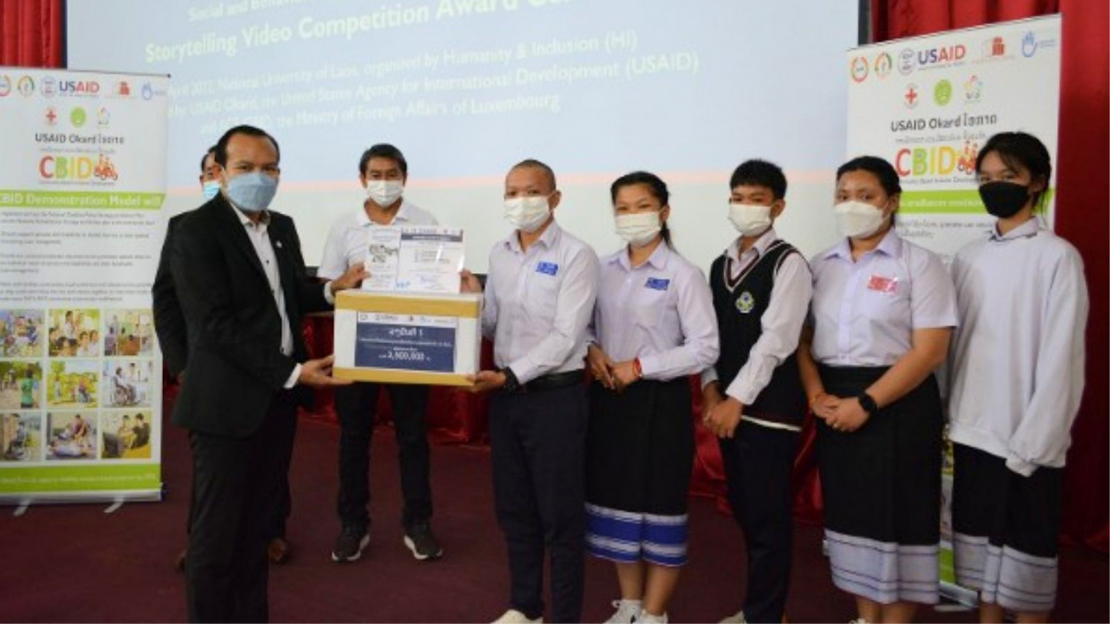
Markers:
(927, 105)
(82, 180)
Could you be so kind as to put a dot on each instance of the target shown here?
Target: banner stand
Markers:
(82, 183)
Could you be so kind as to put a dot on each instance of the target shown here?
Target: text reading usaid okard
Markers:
(82, 182)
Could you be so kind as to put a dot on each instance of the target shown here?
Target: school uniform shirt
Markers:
(539, 302)
(347, 239)
(864, 313)
(781, 323)
(1017, 358)
(660, 312)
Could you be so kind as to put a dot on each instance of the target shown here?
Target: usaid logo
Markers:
(79, 87)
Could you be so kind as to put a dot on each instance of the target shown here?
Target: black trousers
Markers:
(284, 448)
(758, 463)
(356, 406)
(238, 485)
(538, 454)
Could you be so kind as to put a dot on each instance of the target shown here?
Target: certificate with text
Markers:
(414, 259)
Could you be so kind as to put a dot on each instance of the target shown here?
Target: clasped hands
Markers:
(843, 415)
(615, 376)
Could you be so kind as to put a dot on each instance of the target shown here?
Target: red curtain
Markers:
(1082, 204)
(31, 33)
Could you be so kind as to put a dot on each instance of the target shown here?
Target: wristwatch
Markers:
(867, 403)
(511, 383)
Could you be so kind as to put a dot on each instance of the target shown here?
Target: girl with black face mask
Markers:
(1016, 381)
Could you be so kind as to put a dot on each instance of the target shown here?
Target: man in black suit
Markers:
(172, 335)
(242, 286)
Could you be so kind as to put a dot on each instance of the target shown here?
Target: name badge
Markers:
(658, 283)
(882, 284)
(547, 268)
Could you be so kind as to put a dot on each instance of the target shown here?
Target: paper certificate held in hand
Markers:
(414, 259)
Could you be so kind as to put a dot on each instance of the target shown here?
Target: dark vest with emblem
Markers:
(740, 307)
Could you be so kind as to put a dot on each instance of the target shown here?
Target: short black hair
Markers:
(139, 416)
(221, 146)
(210, 151)
(756, 172)
(383, 150)
(532, 163)
(1020, 149)
(655, 184)
(888, 176)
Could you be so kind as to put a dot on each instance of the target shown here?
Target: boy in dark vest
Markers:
(754, 400)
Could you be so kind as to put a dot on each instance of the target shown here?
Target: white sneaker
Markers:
(648, 618)
(628, 611)
(512, 616)
(735, 618)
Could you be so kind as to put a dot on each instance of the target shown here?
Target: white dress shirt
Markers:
(1017, 358)
(864, 312)
(259, 235)
(347, 240)
(781, 322)
(660, 312)
(539, 302)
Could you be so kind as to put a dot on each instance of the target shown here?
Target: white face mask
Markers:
(527, 213)
(749, 219)
(639, 228)
(384, 192)
(858, 219)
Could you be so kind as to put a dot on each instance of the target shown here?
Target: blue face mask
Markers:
(251, 192)
(211, 189)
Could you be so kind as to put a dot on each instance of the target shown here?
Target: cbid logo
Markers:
(858, 69)
(938, 56)
(77, 168)
(939, 160)
(79, 87)
(5, 85)
(66, 167)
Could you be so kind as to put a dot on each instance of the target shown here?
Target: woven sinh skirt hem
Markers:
(639, 456)
(881, 487)
(1006, 527)
(627, 537)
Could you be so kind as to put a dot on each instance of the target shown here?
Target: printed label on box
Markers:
(406, 342)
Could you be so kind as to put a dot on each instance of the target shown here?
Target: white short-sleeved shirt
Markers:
(347, 239)
(864, 312)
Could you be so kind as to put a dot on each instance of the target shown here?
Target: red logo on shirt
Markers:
(883, 284)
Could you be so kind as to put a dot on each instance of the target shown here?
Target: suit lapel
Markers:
(279, 240)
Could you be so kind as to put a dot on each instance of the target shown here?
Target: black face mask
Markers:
(1004, 199)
